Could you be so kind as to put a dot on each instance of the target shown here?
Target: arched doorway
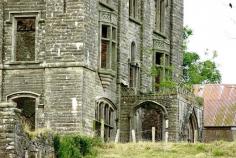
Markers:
(192, 128)
(146, 116)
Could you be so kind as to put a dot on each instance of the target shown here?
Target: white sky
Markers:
(214, 27)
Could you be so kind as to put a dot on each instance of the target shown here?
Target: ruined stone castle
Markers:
(85, 66)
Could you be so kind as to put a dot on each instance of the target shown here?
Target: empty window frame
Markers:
(24, 44)
(104, 113)
(162, 64)
(159, 15)
(108, 47)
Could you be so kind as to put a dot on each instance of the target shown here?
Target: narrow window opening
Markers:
(64, 6)
(158, 59)
(133, 67)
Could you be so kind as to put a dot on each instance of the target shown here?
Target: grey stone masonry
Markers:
(82, 66)
(7, 129)
(176, 38)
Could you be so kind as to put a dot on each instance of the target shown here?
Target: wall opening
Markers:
(149, 115)
(25, 39)
(27, 105)
(105, 120)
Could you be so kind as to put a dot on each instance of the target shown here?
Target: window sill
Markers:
(160, 34)
(135, 20)
(107, 5)
(23, 63)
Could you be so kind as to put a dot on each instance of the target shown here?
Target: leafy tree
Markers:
(196, 70)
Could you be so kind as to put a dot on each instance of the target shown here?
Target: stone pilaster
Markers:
(177, 38)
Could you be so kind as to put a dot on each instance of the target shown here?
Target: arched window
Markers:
(133, 51)
(133, 67)
(105, 119)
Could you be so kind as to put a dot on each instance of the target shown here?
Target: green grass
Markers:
(171, 150)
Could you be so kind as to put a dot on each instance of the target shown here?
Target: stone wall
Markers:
(66, 75)
(217, 133)
(63, 98)
(15, 142)
(7, 129)
(129, 31)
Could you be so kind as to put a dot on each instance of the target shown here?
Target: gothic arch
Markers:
(105, 119)
(142, 113)
(157, 105)
(20, 94)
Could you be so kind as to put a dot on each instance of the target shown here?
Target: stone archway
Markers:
(147, 115)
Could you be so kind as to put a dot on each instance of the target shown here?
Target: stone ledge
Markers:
(106, 76)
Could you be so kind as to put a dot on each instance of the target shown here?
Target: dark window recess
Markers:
(131, 77)
(25, 39)
(133, 68)
(104, 54)
(27, 105)
(105, 31)
(158, 59)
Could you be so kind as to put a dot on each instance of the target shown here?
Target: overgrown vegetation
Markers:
(170, 150)
(33, 134)
(75, 146)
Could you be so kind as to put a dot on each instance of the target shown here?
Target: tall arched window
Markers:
(133, 67)
(105, 116)
(133, 51)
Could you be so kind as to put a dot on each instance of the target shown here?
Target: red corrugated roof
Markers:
(219, 104)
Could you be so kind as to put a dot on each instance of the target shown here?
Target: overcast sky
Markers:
(214, 27)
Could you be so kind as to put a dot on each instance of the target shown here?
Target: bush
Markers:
(218, 152)
(74, 146)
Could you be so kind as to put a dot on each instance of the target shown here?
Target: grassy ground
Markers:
(170, 150)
